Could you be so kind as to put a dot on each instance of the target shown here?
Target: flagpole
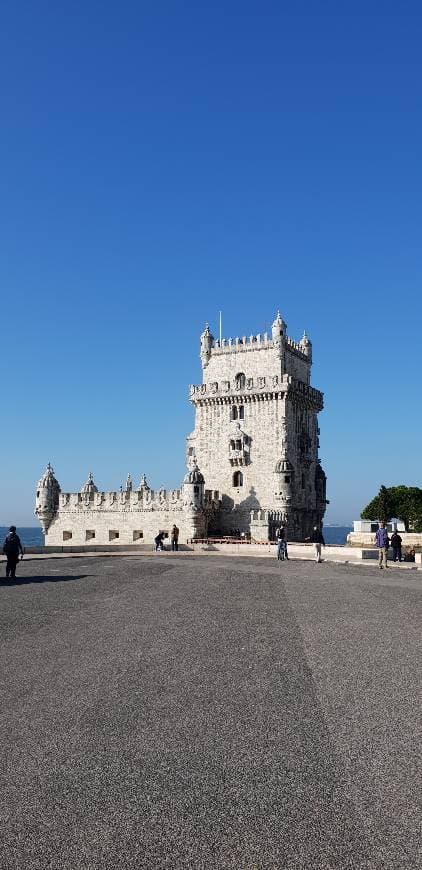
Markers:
(220, 329)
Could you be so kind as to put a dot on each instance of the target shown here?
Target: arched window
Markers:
(238, 479)
(240, 381)
(241, 412)
(233, 414)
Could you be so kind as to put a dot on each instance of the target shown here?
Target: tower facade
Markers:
(252, 457)
(256, 433)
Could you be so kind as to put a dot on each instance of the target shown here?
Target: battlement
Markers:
(253, 388)
(139, 499)
(253, 343)
(136, 500)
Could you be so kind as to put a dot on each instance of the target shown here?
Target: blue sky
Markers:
(160, 161)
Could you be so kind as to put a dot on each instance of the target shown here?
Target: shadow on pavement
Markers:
(23, 581)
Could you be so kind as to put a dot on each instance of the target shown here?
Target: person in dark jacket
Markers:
(280, 538)
(11, 549)
(317, 539)
(382, 542)
(175, 538)
(396, 545)
(159, 541)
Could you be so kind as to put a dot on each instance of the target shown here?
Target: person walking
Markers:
(396, 545)
(11, 549)
(175, 538)
(280, 537)
(317, 539)
(382, 542)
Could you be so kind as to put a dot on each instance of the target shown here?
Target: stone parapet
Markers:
(366, 539)
(273, 386)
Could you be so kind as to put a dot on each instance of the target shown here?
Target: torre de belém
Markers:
(252, 458)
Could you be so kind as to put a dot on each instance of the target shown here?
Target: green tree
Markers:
(380, 508)
(407, 502)
(403, 502)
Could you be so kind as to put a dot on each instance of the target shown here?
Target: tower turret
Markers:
(279, 330)
(193, 488)
(284, 481)
(47, 498)
(207, 342)
(89, 485)
(305, 345)
(193, 501)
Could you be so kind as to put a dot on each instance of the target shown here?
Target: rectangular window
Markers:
(113, 535)
(164, 532)
(137, 535)
(67, 536)
(241, 413)
(89, 534)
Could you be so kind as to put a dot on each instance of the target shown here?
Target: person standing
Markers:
(382, 542)
(11, 549)
(317, 539)
(175, 538)
(396, 545)
(280, 537)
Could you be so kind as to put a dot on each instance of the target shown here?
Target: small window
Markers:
(233, 413)
(287, 479)
(241, 412)
(165, 532)
(137, 535)
(196, 490)
(113, 535)
(238, 445)
(240, 381)
(232, 445)
(89, 534)
(190, 451)
(67, 536)
(38, 494)
(238, 479)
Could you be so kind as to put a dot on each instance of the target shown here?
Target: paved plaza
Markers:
(208, 712)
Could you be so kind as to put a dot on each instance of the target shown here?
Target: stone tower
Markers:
(256, 432)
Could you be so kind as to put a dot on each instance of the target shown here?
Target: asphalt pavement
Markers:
(196, 712)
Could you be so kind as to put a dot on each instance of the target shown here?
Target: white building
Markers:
(252, 457)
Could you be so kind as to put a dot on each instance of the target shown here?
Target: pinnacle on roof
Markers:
(194, 475)
(305, 338)
(89, 485)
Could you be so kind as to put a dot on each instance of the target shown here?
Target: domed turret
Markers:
(89, 485)
(207, 342)
(278, 330)
(279, 326)
(193, 488)
(194, 475)
(47, 499)
(284, 473)
(306, 345)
